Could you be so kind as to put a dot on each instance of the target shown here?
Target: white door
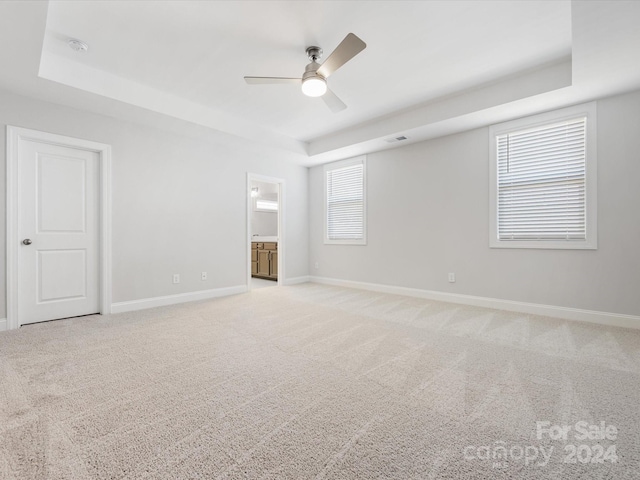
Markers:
(58, 232)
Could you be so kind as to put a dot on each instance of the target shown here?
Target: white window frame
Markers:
(587, 110)
(335, 166)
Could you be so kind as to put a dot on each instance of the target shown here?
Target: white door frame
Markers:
(251, 177)
(14, 135)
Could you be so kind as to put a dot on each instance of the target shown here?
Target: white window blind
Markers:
(345, 203)
(542, 183)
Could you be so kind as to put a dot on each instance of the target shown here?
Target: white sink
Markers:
(263, 238)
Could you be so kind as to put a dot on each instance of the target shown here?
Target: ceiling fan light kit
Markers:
(315, 86)
(314, 79)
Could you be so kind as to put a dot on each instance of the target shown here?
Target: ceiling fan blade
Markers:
(270, 80)
(348, 48)
(333, 102)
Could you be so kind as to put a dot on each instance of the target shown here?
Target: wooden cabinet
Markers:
(273, 265)
(254, 259)
(264, 260)
(264, 257)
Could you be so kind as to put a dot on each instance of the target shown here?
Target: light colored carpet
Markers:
(314, 382)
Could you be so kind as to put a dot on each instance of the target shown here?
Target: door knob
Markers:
(27, 241)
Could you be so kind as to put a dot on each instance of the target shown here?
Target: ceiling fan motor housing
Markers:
(310, 71)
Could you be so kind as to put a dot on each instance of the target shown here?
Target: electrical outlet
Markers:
(176, 278)
(452, 278)
(317, 265)
(203, 276)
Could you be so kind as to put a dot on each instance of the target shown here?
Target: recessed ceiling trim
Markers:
(77, 75)
(527, 84)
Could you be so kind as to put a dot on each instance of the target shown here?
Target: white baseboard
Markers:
(591, 316)
(297, 280)
(145, 303)
(3, 324)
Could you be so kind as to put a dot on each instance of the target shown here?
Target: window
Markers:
(345, 195)
(543, 181)
(263, 205)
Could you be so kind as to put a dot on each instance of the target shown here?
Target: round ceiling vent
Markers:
(77, 45)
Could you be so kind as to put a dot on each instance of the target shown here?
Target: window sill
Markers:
(544, 245)
(345, 242)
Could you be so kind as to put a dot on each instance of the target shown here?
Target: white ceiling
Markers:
(430, 67)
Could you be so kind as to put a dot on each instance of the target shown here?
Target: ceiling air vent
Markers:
(401, 138)
(77, 45)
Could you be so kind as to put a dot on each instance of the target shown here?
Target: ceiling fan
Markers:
(314, 78)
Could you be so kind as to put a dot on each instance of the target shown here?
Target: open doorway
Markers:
(265, 232)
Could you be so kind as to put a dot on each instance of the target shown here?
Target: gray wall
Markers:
(264, 223)
(179, 201)
(428, 215)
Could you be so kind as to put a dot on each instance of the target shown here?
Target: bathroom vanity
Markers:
(264, 258)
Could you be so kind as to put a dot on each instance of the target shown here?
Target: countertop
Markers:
(262, 238)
